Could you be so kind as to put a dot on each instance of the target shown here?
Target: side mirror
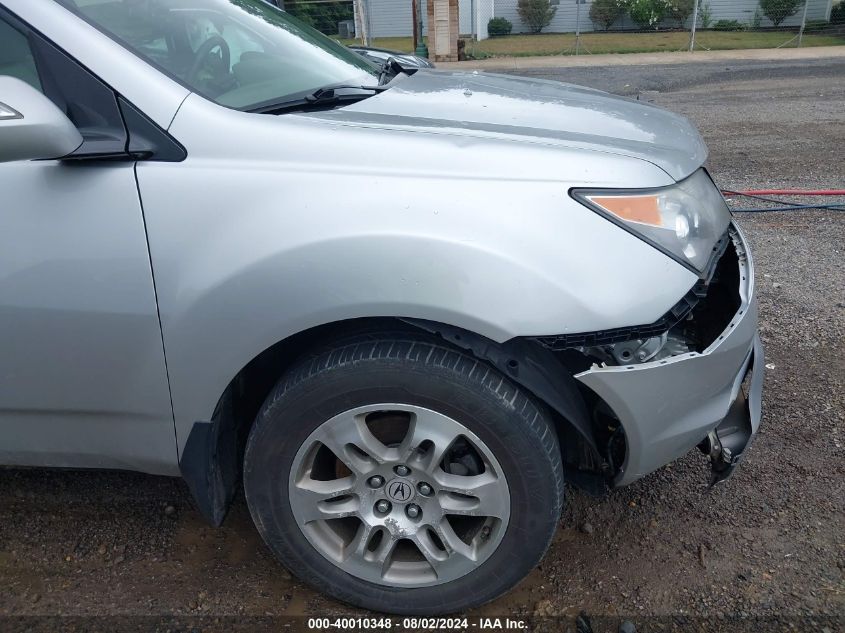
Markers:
(31, 126)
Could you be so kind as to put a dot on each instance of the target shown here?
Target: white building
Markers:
(393, 18)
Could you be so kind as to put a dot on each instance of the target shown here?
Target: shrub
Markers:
(837, 14)
(680, 10)
(816, 25)
(499, 26)
(536, 14)
(757, 20)
(647, 13)
(728, 25)
(778, 10)
(604, 13)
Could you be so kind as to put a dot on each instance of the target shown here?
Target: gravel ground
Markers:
(767, 543)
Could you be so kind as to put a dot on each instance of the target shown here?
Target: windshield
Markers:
(240, 53)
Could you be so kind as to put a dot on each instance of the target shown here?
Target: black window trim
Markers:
(143, 139)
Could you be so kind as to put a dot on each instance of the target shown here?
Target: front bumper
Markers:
(669, 406)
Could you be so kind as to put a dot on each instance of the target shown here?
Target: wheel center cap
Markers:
(400, 490)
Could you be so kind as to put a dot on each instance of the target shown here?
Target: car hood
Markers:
(530, 110)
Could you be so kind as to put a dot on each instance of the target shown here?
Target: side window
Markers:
(89, 103)
(16, 57)
(111, 127)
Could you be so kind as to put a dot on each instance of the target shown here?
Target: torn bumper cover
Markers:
(711, 399)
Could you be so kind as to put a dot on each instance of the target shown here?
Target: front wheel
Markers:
(398, 474)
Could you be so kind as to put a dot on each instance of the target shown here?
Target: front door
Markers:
(83, 381)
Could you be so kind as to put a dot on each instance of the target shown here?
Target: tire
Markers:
(430, 387)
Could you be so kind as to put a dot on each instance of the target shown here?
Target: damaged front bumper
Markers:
(710, 399)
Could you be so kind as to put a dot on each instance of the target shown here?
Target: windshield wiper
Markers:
(321, 98)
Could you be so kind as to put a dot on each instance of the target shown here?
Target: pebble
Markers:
(627, 627)
(587, 528)
(544, 609)
(169, 511)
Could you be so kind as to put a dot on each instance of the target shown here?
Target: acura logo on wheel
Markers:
(399, 490)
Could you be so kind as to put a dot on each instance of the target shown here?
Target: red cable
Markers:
(791, 192)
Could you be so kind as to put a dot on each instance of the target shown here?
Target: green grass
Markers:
(615, 42)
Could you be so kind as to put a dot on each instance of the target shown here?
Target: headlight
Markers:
(684, 220)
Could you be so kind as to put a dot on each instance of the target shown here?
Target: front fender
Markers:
(251, 246)
(217, 319)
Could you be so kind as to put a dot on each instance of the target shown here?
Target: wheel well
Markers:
(250, 387)
(212, 464)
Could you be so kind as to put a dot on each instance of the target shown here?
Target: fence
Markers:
(620, 26)
(600, 15)
(546, 27)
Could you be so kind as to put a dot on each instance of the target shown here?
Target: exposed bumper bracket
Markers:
(728, 442)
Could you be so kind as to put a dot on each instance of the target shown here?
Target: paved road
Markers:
(768, 543)
(630, 80)
(774, 122)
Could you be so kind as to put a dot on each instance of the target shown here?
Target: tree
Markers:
(778, 10)
(680, 10)
(605, 12)
(536, 14)
(705, 15)
(323, 16)
(647, 13)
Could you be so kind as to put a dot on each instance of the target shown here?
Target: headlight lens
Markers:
(685, 220)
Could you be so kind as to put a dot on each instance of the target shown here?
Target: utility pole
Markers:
(422, 49)
(362, 10)
(694, 26)
(369, 22)
(803, 23)
(577, 26)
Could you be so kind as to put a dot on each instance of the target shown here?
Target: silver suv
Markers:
(400, 308)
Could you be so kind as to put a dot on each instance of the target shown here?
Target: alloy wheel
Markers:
(399, 495)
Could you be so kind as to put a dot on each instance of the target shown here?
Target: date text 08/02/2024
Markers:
(418, 623)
